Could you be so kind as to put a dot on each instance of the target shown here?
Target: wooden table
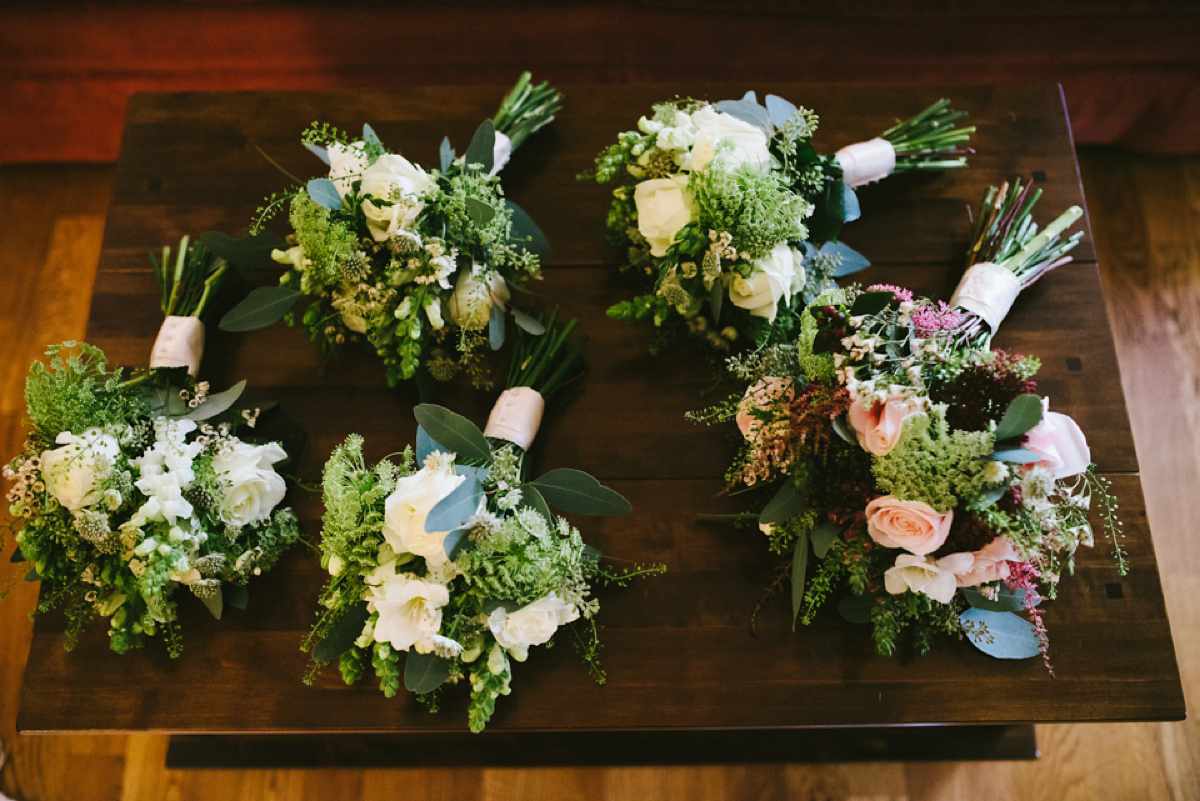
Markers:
(686, 679)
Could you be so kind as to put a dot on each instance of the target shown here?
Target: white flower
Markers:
(471, 304)
(777, 276)
(922, 574)
(677, 137)
(165, 471)
(410, 608)
(664, 205)
(346, 165)
(72, 473)
(251, 485)
(398, 181)
(501, 152)
(532, 624)
(406, 509)
(345, 300)
(749, 142)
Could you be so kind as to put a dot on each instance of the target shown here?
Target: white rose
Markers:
(664, 205)
(501, 152)
(410, 608)
(252, 487)
(346, 164)
(406, 509)
(73, 471)
(777, 276)
(393, 178)
(532, 624)
(471, 304)
(922, 574)
(714, 127)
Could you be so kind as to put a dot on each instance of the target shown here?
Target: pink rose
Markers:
(767, 395)
(991, 563)
(878, 428)
(1060, 443)
(912, 525)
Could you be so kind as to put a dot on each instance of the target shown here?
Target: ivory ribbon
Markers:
(988, 290)
(516, 416)
(866, 162)
(180, 343)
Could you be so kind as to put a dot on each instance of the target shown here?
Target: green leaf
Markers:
(424, 673)
(525, 232)
(1007, 636)
(480, 213)
(823, 535)
(843, 430)
(1006, 599)
(716, 298)
(851, 211)
(455, 541)
(799, 568)
(527, 323)
(425, 445)
(262, 307)
(779, 110)
(17, 556)
(987, 498)
(851, 260)
(857, 608)
(215, 605)
(446, 153)
(1022, 414)
(788, 502)
(342, 633)
(576, 492)
(251, 252)
(236, 595)
(871, 303)
(496, 327)
(32, 575)
(456, 508)
(371, 139)
(532, 499)
(482, 151)
(318, 151)
(492, 604)
(215, 404)
(1016, 455)
(747, 110)
(324, 193)
(454, 432)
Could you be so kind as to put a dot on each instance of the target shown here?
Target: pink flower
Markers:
(991, 563)
(914, 526)
(878, 428)
(763, 400)
(1060, 443)
(924, 575)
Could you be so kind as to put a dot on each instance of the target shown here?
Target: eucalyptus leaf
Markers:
(236, 595)
(446, 153)
(32, 575)
(215, 404)
(576, 492)
(249, 252)
(857, 608)
(318, 151)
(526, 233)
(424, 673)
(478, 473)
(1017, 456)
(788, 502)
(455, 541)
(747, 110)
(453, 432)
(425, 445)
(851, 211)
(779, 110)
(262, 307)
(851, 260)
(456, 508)
(799, 568)
(342, 634)
(529, 324)
(492, 604)
(1007, 635)
(483, 147)
(215, 604)
(1022, 414)
(823, 535)
(17, 557)
(371, 139)
(871, 303)
(987, 498)
(324, 193)
(716, 299)
(496, 327)
(1006, 599)
(532, 499)
(480, 213)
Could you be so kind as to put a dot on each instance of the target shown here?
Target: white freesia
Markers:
(398, 181)
(664, 205)
(166, 470)
(73, 472)
(410, 608)
(532, 624)
(777, 276)
(346, 164)
(408, 506)
(252, 487)
(471, 304)
(922, 574)
(748, 142)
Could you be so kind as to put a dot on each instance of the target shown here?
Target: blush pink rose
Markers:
(1060, 443)
(991, 563)
(912, 525)
(878, 427)
(768, 395)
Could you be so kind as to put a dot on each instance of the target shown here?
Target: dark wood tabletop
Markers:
(678, 648)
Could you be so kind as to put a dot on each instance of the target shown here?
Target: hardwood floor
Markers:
(1146, 218)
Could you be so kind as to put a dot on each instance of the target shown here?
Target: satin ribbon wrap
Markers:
(866, 162)
(180, 343)
(516, 416)
(987, 290)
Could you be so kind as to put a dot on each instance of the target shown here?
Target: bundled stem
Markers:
(188, 282)
(526, 108)
(548, 361)
(929, 140)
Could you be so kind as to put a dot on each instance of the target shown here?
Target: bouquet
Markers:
(732, 217)
(420, 264)
(917, 469)
(451, 565)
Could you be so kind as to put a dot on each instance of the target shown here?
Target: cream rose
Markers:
(532, 624)
(922, 574)
(878, 427)
(397, 180)
(989, 563)
(73, 472)
(911, 525)
(406, 509)
(252, 487)
(501, 152)
(471, 303)
(749, 142)
(410, 608)
(1060, 442)
(664, 206)
(771, 394)
(774, 279)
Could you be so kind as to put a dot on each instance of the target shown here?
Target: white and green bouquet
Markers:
(448, 564)
(910, 472)
(732, 217)
(418, 264)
